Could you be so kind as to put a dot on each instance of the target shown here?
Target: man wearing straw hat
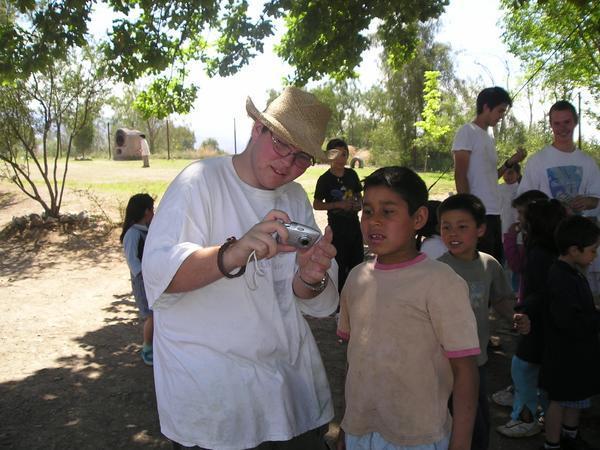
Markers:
(235, 364)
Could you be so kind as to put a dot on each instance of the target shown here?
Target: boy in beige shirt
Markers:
(412, 334)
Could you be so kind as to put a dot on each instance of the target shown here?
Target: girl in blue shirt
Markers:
(138, 215)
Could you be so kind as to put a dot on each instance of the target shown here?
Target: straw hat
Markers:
(297, 117)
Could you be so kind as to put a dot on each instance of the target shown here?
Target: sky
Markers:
(470, 27)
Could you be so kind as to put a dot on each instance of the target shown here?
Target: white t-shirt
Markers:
(233, 366)
(508, 214)
(483, 164)
(433, 247)
(562, 175)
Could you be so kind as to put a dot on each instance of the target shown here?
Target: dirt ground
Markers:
(70, 372)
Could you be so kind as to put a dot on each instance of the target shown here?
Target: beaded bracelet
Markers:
(220, 265)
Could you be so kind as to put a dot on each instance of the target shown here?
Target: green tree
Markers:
(84, 139)
(404, 86)
(158, 39)
(210, 143)
(327, 37)
(349, 111)
(39, 121)
(126, 115)
(557, 38)
(384, 146)
(181, 139)
(433, 126)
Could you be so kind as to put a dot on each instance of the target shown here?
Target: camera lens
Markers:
(304, 241)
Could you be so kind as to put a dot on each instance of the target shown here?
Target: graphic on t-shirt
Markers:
(477, 294)
(564, 181)
(338, 194)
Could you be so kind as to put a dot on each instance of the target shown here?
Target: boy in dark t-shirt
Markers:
(338, 191)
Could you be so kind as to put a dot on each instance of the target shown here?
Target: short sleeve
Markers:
(527, 181)
(463, 140)
(320, 189)
(130, 246)
(166, 248)
(451, 315)
(357, 186)
(592, 188)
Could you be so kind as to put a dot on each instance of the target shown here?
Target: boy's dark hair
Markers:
(403, 181)
(431, 226)
(541, 219)
(563, 105)
(492, 97)
(527, 197)
(136, 208)
(578, 231)
(464, 202)
(336, 143)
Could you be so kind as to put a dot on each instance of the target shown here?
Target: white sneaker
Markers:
(504, 397)
(518, 429)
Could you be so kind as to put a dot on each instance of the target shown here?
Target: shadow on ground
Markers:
(28, 254)
(105, 400)
(8, 199)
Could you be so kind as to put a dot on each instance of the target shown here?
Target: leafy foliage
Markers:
(158, 39)
(165, 96)
(404, 89)
(210, 143)
(84, 139)
(327, 37)
(39, 120)
(560, 39)
(432, 125)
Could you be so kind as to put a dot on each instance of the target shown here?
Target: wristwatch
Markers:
(319, 286)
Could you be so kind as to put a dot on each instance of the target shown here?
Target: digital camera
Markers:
(300, 236)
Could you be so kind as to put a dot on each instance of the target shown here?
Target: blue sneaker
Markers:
(147, 356)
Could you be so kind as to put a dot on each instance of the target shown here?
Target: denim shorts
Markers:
(374, 441)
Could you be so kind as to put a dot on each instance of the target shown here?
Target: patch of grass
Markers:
(443, 185)
(121, 187)
(121, 179)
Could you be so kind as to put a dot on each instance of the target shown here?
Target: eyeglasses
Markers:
(301, 160)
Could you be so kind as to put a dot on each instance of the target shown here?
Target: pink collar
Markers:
(417, 259)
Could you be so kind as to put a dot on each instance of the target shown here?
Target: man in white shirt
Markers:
(564, 172)
(476, 163)
(235, 363)
(561, 170)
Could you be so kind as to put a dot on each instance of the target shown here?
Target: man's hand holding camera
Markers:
(260, 239)
(270, 237)
(313, 263)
